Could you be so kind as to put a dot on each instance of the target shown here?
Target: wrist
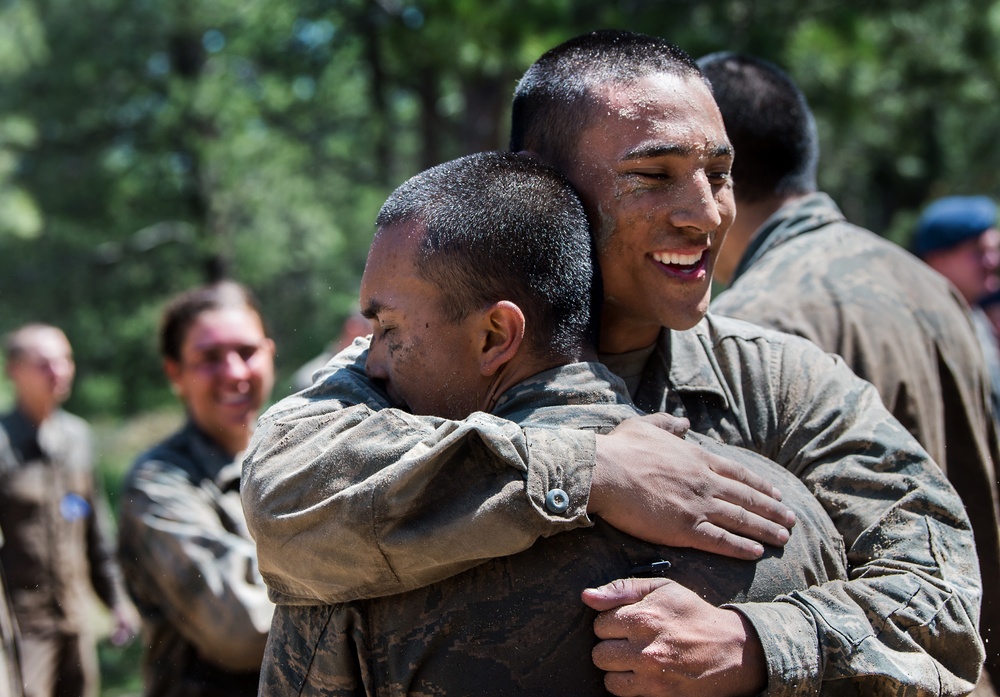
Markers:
(750, 677)
(596, 500)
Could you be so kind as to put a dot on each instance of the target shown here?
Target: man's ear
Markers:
(173, 370)
(504, 334)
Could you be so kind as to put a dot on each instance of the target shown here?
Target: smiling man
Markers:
(479, 284)
(630, 121)
(188, 561)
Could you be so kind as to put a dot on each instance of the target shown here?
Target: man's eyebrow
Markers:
(371, 310)
(674, 149)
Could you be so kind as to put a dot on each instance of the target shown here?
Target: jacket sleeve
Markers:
(349, 499)
(203, 574)
(908, 614)
(105, 576)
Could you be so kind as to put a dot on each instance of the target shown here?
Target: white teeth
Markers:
(232, 400)
(678, 259)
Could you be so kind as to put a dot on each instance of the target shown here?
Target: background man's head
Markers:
(769, 124)
(958, 237)
(630, 121)
(774, 135)
(39, 363)
(462, 250)
(219, 359)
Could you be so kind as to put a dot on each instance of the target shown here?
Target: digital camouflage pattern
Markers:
(516, 625)
(898, 324)
(56, 552)
(375, 505)
(191, 569)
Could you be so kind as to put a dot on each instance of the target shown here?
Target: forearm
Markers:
(348, 503)
(196, 573)
(105, 575)
(848, 633)
(910, 611)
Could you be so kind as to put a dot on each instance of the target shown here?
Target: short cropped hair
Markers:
(769, 124)
(17, 342)
(501, 226)
(183, 309)
(554, 100)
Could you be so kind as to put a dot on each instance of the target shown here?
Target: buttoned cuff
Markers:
(560, 471)
(791, 647)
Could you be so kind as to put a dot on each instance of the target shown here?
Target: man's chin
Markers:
(682, 319)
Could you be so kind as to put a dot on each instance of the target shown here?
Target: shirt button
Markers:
(557, 501)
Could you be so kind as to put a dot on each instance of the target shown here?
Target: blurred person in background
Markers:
(957, 236)
(795, 264)
(990, 305)
(11, 684)
(354, 326)
(54, 520)
(189, 563)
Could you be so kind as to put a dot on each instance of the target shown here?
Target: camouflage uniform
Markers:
(386, 502)
(190, 567)
(56, 549)
(988, 342)
(516, 625)
(899, 325)
(10, 668)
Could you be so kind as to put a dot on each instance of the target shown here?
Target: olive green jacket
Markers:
(516, 624)
(372, 507)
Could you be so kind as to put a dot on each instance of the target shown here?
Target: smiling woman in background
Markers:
(188, 560)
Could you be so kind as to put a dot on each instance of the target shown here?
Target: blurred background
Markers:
(150, 145)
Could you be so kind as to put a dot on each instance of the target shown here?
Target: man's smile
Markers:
(686, 265)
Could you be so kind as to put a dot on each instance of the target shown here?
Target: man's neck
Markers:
(750, 217)
(36, 412)
(525, 366)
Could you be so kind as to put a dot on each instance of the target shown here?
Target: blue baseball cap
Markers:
(949, 221)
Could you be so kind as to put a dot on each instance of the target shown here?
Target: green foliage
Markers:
(148, 146)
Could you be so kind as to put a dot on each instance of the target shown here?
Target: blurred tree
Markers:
(146, 146)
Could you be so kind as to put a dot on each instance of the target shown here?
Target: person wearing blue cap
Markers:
(957, 236)
(795, 264)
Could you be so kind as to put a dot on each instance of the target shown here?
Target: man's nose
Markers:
(234, 366)
(374, 365)
(58, 368)
(695, 207)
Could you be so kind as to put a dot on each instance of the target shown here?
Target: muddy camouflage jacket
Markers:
(359, 513)
(516, 625)
(898, 324)
(191, 569)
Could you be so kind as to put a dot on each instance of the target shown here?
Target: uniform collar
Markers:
(572, 384)
(46, 439)
(687, 359)
(797, 217)
(212, 461)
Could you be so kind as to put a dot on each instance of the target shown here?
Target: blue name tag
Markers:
(74, 507)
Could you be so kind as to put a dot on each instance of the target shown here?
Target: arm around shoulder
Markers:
(348, 498)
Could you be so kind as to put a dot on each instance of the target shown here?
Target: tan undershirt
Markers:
(628, 366)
